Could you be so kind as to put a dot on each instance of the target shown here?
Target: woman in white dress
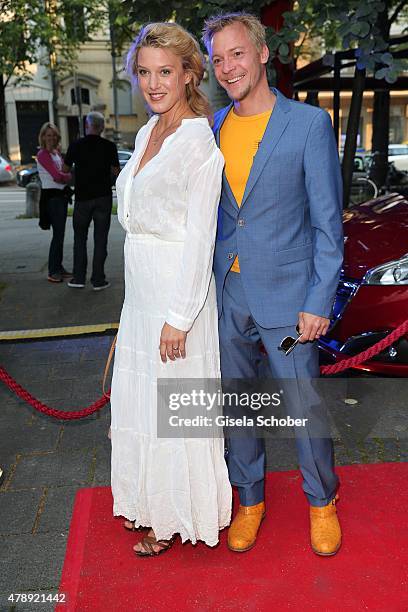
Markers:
(168, 196)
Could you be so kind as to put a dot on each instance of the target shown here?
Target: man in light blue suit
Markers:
(277, 260)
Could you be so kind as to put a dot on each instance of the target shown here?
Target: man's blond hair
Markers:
(256, 30)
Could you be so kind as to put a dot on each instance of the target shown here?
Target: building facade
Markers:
(29, 105)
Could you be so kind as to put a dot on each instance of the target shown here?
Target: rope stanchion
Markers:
(344, 364)
(35, 403)
(351, 362)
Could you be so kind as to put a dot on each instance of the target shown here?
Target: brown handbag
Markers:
(107, 366)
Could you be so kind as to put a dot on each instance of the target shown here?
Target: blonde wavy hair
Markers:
(44, 128)
(176, 39)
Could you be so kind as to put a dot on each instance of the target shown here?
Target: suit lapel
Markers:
(274, 130)
(217, 129)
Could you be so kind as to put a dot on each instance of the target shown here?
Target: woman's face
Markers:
(162, 78)
(50, 138)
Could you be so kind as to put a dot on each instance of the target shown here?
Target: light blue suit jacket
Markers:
(288, 231)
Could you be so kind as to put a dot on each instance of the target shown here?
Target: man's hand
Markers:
(172, 343)
(312, 326)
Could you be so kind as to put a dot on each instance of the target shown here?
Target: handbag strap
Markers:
(107, 366)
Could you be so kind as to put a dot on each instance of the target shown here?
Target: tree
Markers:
(354, 25)
(392, 11)
(50, 34)
(347, 24)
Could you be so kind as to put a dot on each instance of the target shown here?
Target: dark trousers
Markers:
(99, 211)
(57, 207)
(240, 336)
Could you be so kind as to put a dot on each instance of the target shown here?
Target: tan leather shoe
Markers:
(325, 531)
(244, 528)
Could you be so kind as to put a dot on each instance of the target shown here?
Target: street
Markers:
(12, 202)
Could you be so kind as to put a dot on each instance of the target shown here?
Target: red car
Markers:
(372, 296)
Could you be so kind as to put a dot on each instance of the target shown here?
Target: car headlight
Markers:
(391, 273)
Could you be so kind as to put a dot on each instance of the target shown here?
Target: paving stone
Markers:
(48, 390)
(85, 369)
(41, 606)
(15, 410)
(352, 453)
(18, 511)
(84, 434)
(391, 450)
(41, 435)
(53, 469)
(31, 562)
(403, 449)
(371, 450)
(102, 474)
(24, 373)
(57, 511)
(43, 357)
(340, 455)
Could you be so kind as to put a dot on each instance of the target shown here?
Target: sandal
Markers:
(149, 541)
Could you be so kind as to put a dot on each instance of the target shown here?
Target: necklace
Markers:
(159, 137)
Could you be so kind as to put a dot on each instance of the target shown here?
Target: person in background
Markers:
(95, 159)
(54, 202)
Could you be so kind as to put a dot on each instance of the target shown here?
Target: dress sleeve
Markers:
(193, 279)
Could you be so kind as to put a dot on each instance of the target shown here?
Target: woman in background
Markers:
(54, 202)
(168, 196)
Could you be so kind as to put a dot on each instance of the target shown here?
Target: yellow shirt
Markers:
(239, 141)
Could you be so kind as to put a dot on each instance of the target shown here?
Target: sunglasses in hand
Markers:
(288, 343)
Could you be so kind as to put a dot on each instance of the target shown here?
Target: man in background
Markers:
(95, 159)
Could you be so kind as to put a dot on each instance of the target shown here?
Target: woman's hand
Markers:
(172, 343)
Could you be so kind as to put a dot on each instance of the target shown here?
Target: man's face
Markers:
(238, 65)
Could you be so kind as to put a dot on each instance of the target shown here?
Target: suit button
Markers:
(241, 223)
(230, 255)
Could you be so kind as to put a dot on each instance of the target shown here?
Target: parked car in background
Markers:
(398, 153)
(372, 296)
(27, 174)
(6, 170)
(124, 155)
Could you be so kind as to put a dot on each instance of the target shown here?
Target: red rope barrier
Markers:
(350, 362)
(344, 364)
(35, 403)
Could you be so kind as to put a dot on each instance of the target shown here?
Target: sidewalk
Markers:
(29, 301)
(45, 460)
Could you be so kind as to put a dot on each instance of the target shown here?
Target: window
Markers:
(85, 99)
(398, 150)
(124, 98)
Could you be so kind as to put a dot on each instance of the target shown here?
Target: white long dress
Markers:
(169, 212)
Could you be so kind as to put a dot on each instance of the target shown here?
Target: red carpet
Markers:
(281, 573)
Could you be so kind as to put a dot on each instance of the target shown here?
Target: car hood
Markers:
(375, 232)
